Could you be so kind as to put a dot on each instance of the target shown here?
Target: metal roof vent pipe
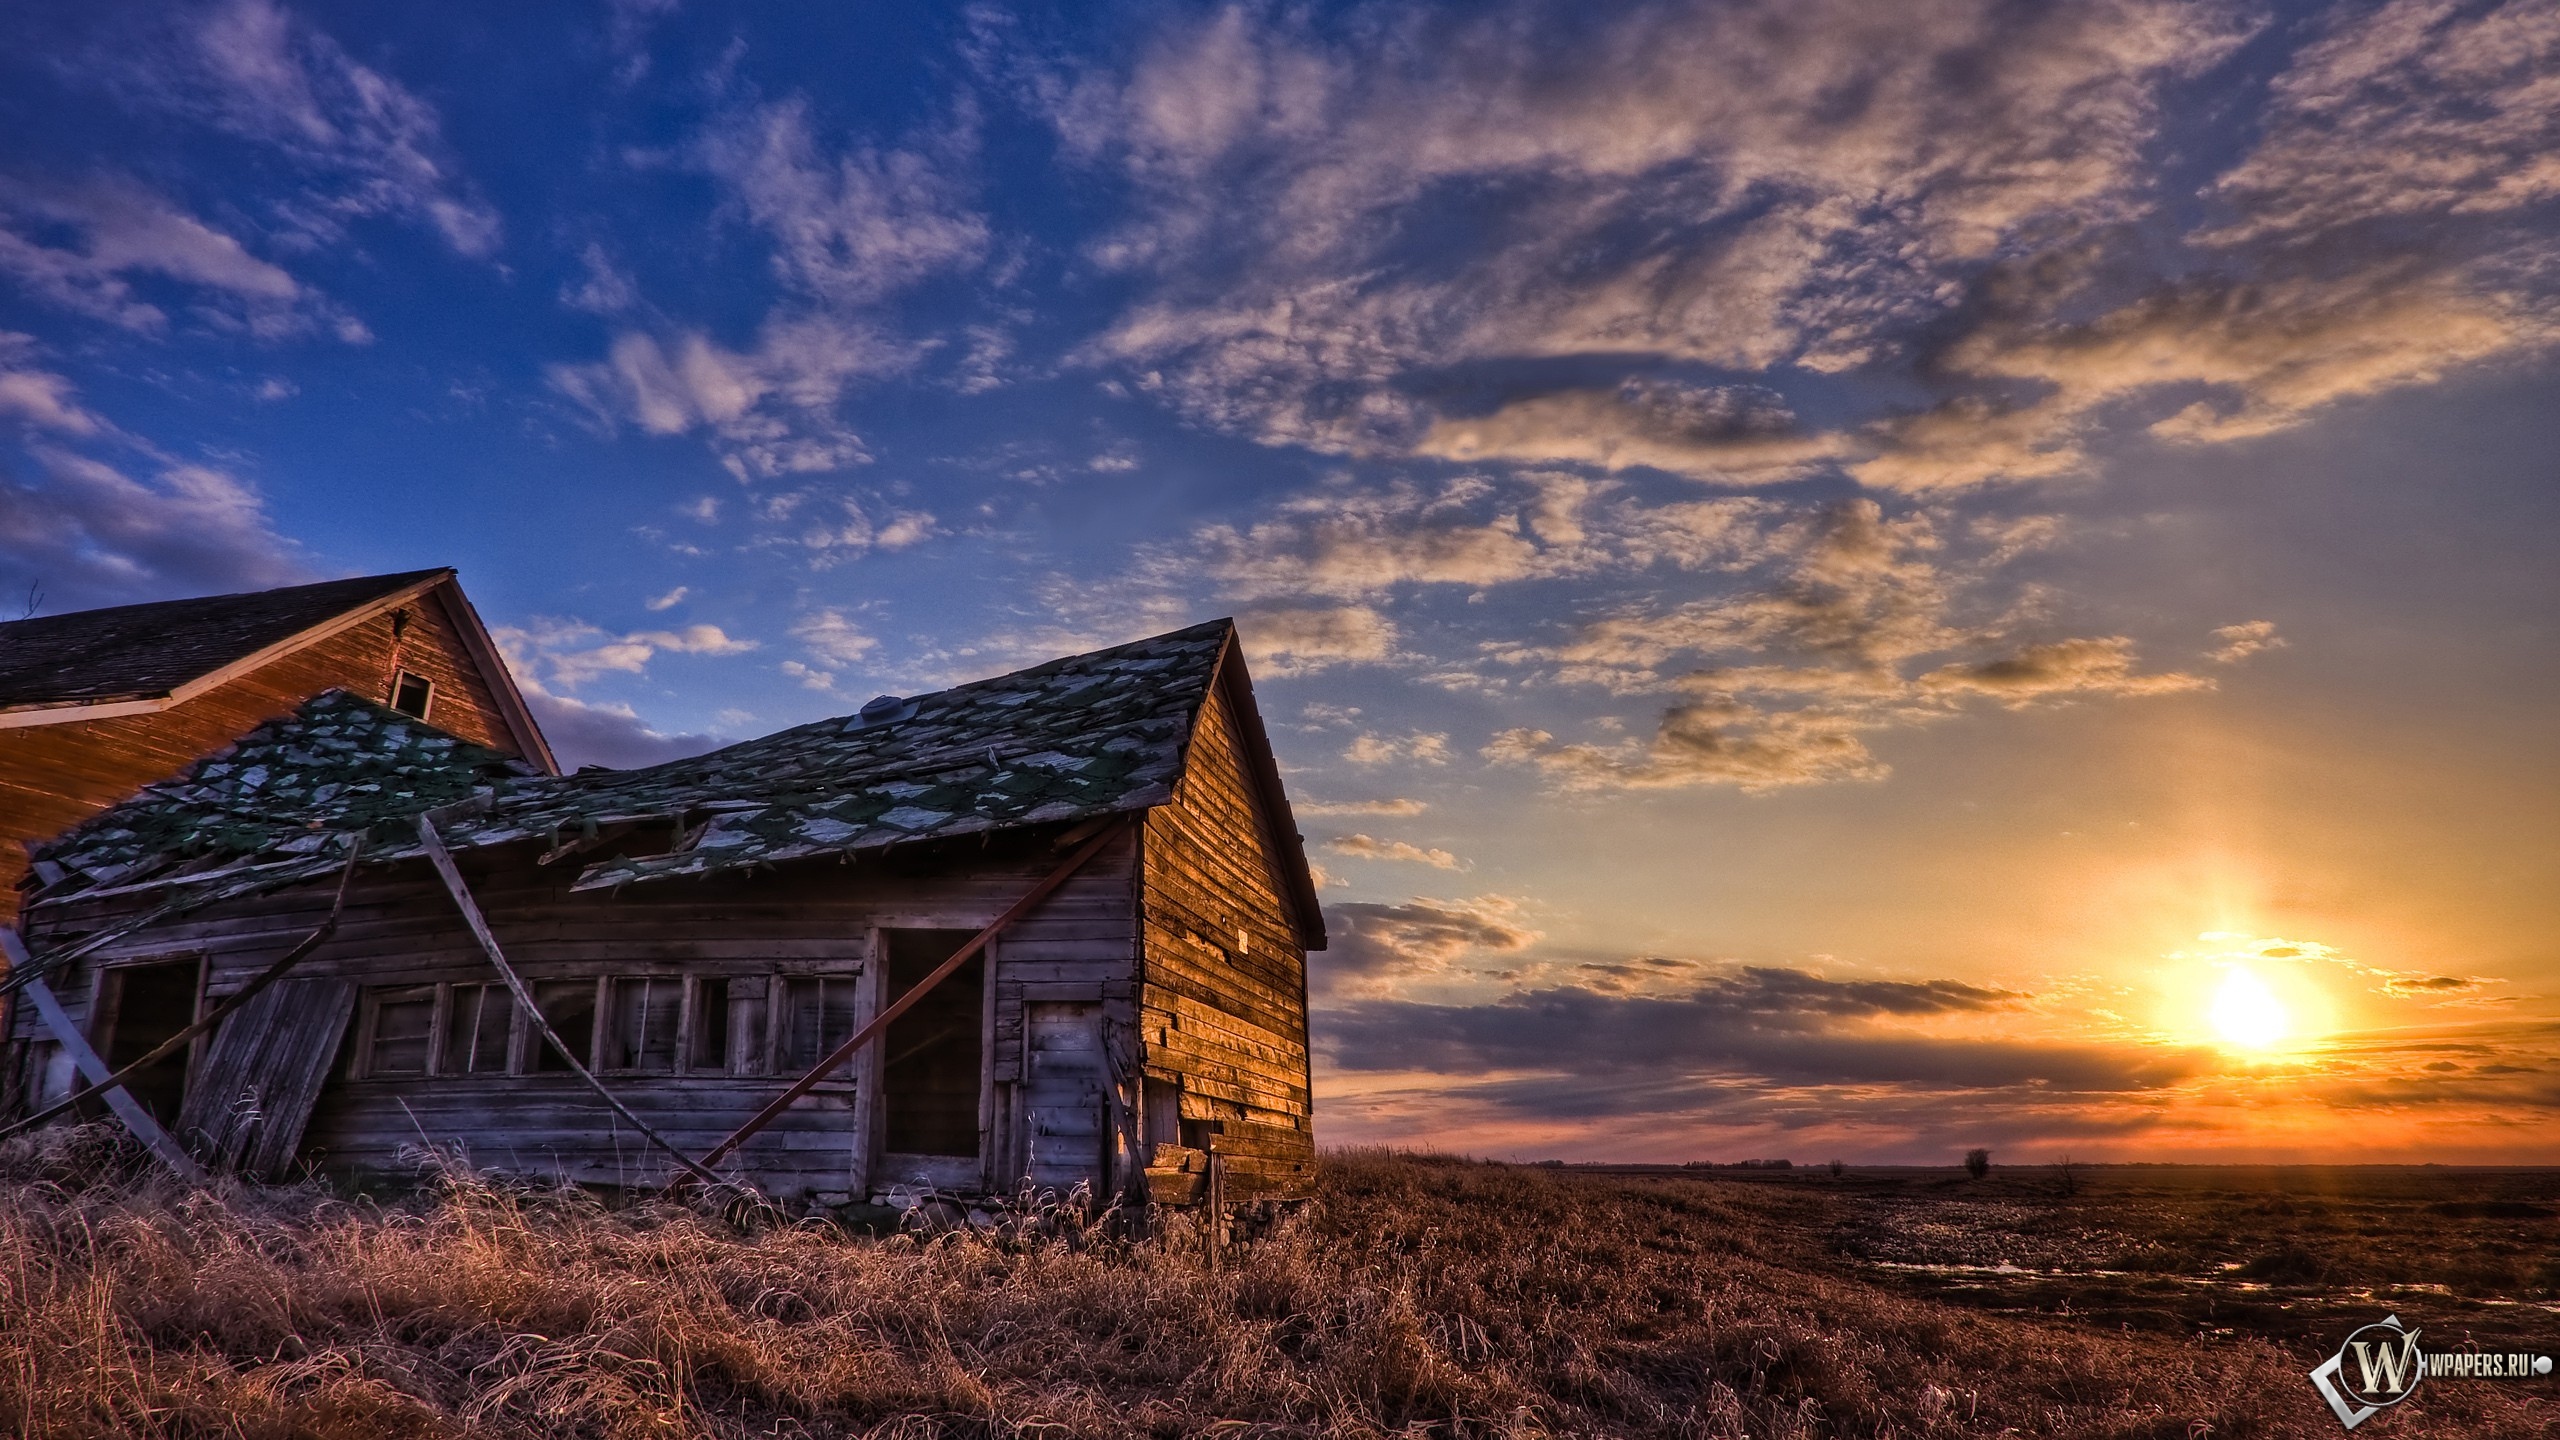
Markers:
(882, 710)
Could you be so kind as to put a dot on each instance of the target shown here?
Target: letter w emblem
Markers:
(2387, 1370)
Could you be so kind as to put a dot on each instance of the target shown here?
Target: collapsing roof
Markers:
(1074, 739)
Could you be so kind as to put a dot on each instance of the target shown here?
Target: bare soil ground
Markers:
(1415, 1297)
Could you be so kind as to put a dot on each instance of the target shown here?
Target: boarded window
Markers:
(400, 1033)
(817, 1016)
(1163, 1101)
(475, 1036)
(569, 1007)
(710, 1039)
(640, 1032)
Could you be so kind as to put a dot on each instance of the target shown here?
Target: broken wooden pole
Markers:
(880, 1023)
(85, 1059)
(246, 993)
(433, 844)
(1217, 1187)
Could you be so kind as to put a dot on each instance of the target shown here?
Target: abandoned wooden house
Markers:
(96, 704)
(1044, 930)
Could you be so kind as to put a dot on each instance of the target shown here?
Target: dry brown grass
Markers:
(1418, 1297)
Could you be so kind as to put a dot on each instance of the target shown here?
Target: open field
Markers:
(2295, 1253)
(1417, 1297)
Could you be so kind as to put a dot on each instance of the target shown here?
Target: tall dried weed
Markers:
(1418, 1296)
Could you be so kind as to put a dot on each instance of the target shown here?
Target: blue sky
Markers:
(1737, 507)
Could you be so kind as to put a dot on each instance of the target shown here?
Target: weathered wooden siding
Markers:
(811, 918)
(1223, 1007)
(52, 777)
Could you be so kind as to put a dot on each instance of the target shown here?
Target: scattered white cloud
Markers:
(612, 735)
(833, 638)
(605, 288)
(1395, 806)
(92, 534)
(1300, 642)
(1418, 748)
(852, 227)
(1366, 847)
(841, 528)
(1742, 435)
(2410, 109)
(570, 653)
(671, 599)
(1836, 639)
(1350, 543)
(771, 412)
(1958, 196)
(109, 233)
(39, 398)
(1750, 186)
(1379, 949)
(2235, 643)
(981, 366)
(809, 676)
(848, 231)
(373, 145)
(627, 34)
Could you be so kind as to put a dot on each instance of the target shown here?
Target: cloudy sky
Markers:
(1830, 579)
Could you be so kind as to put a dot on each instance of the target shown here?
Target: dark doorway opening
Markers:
(140, 1007)
(933, 1054)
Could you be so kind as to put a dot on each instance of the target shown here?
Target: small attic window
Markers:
(411, 694)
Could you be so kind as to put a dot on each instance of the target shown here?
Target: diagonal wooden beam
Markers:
(94, 1070)
(215, 1016)
(437, 856)
(880, 1023)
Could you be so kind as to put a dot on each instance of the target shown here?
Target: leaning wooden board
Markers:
(248, 1108)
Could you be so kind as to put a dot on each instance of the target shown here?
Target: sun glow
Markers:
(2247, 1015)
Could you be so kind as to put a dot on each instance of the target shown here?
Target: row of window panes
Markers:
(648, 1024)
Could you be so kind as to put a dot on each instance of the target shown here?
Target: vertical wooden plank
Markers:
(360, 1062)
(600, 1025)
(870, 993)
(688, 999)
(520, 1038)
(987, 1063)
(196, 1047)
(264, 1075)
(437, 1027)
(750, 1006)
(1217, 1228)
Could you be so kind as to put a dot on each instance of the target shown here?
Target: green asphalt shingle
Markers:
(1078, 737)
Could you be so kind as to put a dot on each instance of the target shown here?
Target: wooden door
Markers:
(1066, 1127)
(264, 1075)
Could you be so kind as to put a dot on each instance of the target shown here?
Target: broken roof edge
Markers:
(599, 877)
(256, 877)
(496, 811)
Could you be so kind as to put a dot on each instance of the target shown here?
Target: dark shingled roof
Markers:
(1085, 736)
(142, 652)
